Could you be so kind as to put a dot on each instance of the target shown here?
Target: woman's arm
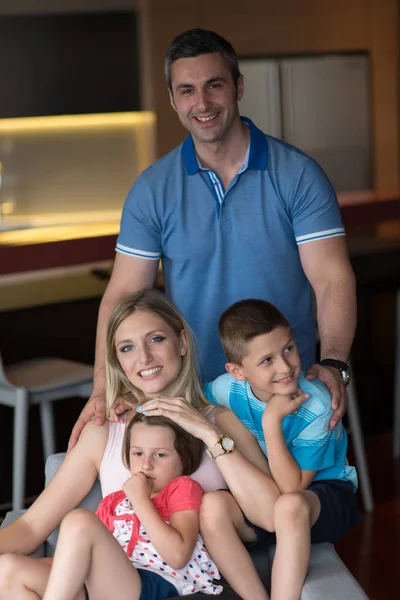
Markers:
(70, 485)
(230, 425)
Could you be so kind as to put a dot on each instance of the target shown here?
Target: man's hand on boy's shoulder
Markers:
(334, 382)
(280, 406)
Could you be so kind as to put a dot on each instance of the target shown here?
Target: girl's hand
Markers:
(186, 416)
(138, 488)
(280, 406)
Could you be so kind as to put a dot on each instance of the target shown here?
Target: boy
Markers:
(289, 416)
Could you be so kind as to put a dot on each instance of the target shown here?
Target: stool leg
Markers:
(396, 427)
(359, 449)
(47, 423)
(20, 445)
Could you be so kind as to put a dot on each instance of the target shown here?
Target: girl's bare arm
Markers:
(174, 541)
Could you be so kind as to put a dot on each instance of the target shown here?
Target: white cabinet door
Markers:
(326, 113)
(261, 101)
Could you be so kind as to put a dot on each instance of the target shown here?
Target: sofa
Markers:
(327, 578)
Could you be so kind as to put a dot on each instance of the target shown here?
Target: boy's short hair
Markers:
(193, 43)
(245, 320)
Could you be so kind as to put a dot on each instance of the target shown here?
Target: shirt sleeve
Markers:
(315, 210)
(105, 510)
(218, 391)
(184, 494)
(314, 447)
(140, 231)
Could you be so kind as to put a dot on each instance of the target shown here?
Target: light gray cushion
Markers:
(91, 501)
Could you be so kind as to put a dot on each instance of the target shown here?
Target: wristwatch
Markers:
(342, 367)
(225, 445)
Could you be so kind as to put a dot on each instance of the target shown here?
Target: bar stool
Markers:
(38, 381)
(357, 437)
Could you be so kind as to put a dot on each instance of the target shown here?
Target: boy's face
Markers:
(271, 366)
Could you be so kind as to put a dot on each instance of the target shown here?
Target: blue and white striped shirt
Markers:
(307, 435)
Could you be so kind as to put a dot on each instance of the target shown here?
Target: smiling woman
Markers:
(149, 351)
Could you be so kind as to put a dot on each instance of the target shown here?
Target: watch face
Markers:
(228, 444)
(345, 376)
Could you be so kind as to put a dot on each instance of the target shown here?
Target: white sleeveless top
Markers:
(113, 472)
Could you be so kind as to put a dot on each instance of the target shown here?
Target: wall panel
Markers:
(266, 27)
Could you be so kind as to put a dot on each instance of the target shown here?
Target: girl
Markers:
(150, 353)
(160, 502)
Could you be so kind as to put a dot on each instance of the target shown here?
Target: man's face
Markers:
(205, 96)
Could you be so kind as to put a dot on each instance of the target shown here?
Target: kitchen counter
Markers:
(55, 262)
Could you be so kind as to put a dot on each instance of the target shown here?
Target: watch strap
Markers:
(341, 366)
(332, 362)
(215, 451)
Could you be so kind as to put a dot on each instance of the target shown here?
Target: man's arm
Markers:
(327, 267)
(130, 274)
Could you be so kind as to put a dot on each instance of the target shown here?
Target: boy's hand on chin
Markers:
(138, 488)
(282, 405)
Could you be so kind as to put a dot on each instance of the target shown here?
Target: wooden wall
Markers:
(268, 27)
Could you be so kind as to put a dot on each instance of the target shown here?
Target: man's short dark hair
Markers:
(195, 42)
(245, 320)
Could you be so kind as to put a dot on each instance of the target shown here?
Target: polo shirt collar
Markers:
(257, 158)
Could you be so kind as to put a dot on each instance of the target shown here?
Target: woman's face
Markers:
(149, 352)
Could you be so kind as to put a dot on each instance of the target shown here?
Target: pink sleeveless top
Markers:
(113, 473)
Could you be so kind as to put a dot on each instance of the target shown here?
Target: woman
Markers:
(150, 353)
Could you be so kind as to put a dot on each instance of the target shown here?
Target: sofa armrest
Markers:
(13, 516)
(91, 501)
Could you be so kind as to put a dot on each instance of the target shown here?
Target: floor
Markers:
(371, 551)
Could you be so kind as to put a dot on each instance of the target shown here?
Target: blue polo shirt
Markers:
(219, 246)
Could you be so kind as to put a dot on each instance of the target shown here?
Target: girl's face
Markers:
(152, 452)
(149, 352)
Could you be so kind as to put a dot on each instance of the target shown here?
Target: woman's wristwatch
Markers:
(225, 445)
(341, 366)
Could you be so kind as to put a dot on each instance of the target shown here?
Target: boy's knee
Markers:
(291, 509)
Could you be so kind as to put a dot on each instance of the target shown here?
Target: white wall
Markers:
(20, 7)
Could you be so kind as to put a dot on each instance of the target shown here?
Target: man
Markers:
(232, 214)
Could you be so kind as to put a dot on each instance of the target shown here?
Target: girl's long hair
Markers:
(187, 385)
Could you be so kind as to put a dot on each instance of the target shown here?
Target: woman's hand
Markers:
(183, 414)
(120, 406)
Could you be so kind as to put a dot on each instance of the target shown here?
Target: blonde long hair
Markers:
(187, 384)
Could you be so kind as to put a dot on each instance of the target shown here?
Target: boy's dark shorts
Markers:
(338, 514)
